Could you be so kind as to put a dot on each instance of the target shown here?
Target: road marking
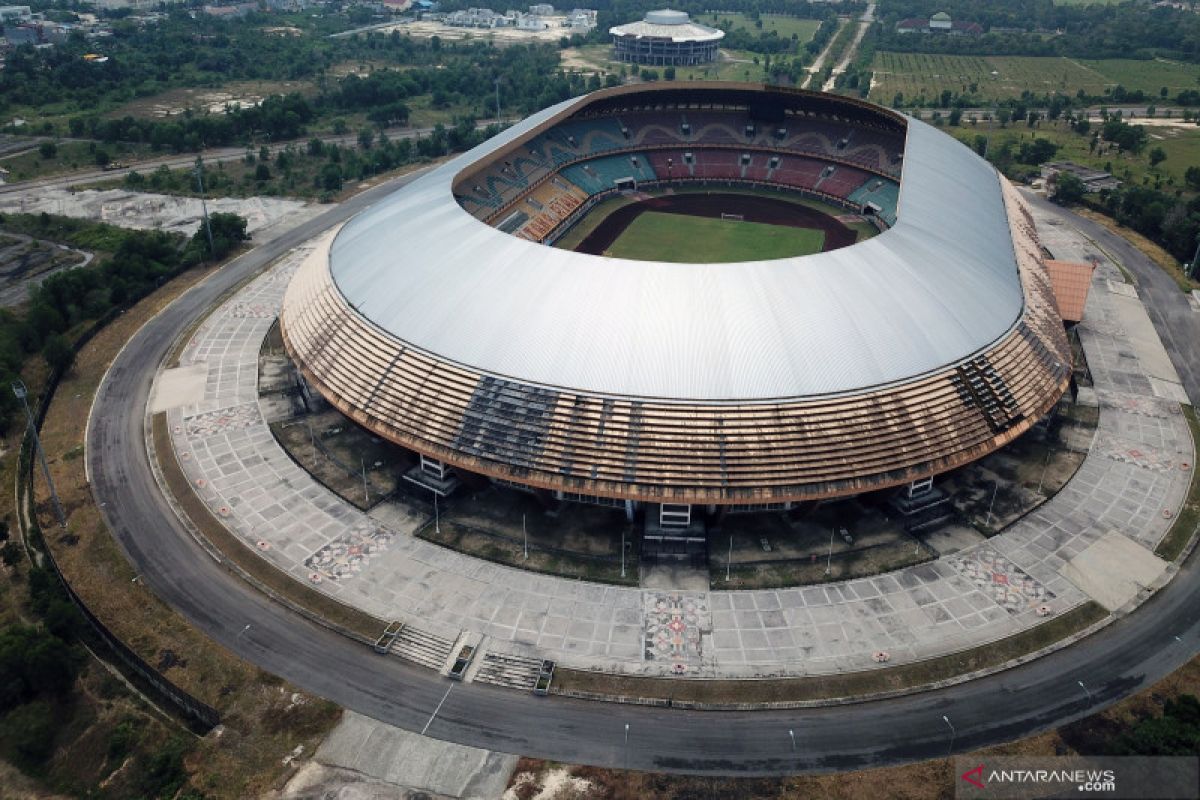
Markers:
(436, 710)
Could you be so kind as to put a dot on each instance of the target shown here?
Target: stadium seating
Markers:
(798, 171)
(883, 193)
(840, 181)
(718, 164)
(547, 206)
(600, 174)
(593, 153)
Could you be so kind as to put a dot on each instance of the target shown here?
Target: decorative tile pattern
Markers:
(348, 554)
(1008, 585)
(223, 419)
(254, 311)
(1139, 455)
(674, 625)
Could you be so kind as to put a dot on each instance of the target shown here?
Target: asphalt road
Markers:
(1177, 325)
(210, 156)
(1127, 656)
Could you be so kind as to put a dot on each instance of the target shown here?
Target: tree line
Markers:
(1044, 28)
(136, 263)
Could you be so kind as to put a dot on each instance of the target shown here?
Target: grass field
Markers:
(655, 236)
(1180, 143)
(786, 27)
(918, 75)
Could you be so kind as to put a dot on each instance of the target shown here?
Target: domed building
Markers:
(665, 38)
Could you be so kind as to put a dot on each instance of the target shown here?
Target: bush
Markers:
(58, 353)
(162, 774)
(27, 734)
(121, 741)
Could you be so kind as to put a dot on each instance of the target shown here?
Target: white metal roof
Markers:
(939, 286)
(668, 24)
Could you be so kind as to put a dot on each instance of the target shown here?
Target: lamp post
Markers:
(22, 394)
(212, 251)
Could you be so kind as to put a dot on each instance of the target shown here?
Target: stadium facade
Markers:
(440, 318)
(665, 38)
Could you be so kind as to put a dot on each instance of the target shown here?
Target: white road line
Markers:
(436, 710)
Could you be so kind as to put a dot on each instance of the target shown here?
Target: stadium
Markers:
(696, 297)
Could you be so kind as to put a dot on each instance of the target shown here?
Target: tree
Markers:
(669, 72)
(47, 150)
(1157, 156)
(262, 172)
(331, 178)
(228, 230)
(58, 353)
(1068, 189)
(1191, 177)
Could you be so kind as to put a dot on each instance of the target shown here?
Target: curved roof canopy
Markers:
(668, 24)
(939, 286)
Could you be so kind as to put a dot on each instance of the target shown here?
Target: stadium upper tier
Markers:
(493, 191)
(902, 356)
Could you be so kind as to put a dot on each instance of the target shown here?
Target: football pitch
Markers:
(657, 236)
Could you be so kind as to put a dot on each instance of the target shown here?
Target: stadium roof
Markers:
(939, 286)
(668, 24)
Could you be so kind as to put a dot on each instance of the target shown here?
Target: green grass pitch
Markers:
(655, 236)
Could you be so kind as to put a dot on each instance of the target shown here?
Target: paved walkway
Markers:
(1139, 468)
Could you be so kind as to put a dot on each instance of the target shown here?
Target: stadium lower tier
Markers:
(542, 213)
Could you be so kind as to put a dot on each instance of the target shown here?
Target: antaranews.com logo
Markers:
(1133, 777)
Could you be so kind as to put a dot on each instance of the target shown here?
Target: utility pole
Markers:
(18, 388)
(212, 251)
(1195, 259)
(497, 101)
(366, 492)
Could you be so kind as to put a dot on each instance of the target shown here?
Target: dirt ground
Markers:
(428, 28)
(239, 94)
(337, 453)
(572, 540)
(995, 491)
(26, 262)
(791, 549)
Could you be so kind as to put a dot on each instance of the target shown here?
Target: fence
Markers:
(202, 716)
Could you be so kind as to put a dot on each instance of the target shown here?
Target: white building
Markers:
(10, 15)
